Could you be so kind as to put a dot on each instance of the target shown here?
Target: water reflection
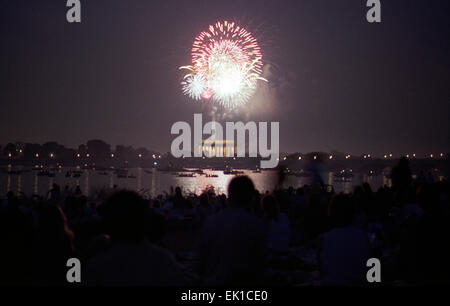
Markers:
(8, 188)
(154, 182)
(86, 182)
(36, 184)
(139, 179)
(153, 189)
(19, 183)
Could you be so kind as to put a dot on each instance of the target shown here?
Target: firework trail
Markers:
(226, 65)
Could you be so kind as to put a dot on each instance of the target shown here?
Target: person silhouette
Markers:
(231, 245)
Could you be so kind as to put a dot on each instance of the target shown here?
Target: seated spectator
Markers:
(54, 246)
(231, 245)
(132, 259)
(204, 209)
(277, 225)
(345, 249)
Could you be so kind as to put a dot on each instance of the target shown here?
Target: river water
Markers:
(152, 182)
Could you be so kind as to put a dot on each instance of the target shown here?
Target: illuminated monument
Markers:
(217, 147)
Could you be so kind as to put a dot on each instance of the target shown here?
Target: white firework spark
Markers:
(226, 65)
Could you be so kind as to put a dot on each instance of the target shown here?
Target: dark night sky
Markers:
(336, 81)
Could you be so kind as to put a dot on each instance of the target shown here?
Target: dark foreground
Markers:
(307, 236)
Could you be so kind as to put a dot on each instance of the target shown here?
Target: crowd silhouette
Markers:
(286, 237)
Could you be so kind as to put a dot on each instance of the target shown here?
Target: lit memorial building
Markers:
(218, 148)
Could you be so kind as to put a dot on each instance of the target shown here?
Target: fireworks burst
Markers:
(226, 65)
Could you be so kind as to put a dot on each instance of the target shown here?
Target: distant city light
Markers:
(442, 154)
(87, 155)
(112, 155)
(78, 155)
(51, 155)
(431, 155)
(385, 156)
(390, 155)
(140, 155)
(414, 154)
(315, 157)
(284, 158)
(37, 155)
(9, 154)
(299, 158)
(331, 156)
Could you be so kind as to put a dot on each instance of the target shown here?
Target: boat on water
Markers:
(343, 179)
(233, 172)
(46, 173)
(169, 169)
(13, 172)
(211, 175)
(121, 173)
(300, 173)
(73, 173)
(196, 171)
(186, 175)
(343, 174)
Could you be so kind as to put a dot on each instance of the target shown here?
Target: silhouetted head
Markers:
(403, 162)
(178, 193)
(204, 199)
(271, 208)
(240, 191)
(156, 204)
(341, 210)
(367, 188)
(125, 214)
(10, 195)
(428, 198)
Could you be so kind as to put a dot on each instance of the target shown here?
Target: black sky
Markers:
(336, 81)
